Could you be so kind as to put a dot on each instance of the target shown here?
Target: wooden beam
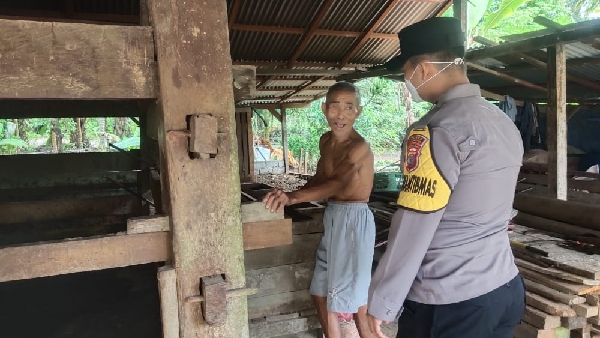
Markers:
(284, 140)
(300, 89)
(302, 72)
(58, 16)
(310, 31)
(255, 234)
(555, 26)
(368, 34)
(235, 10)
(557, 122)
(275, 113)
(195, 77)
(542, 65)
(83, 254)
(169, 307)
(38, 211)
(506, 77)
(79, 62)
(274, 105)
(460, 8)
(582, 31)
(40, 165)
(265, 82)
(25, 109)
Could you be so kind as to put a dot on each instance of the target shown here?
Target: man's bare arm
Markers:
(344, 172)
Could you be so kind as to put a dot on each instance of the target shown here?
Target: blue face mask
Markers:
(413, 90)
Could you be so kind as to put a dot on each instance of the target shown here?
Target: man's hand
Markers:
(375, 326)
(275, 200)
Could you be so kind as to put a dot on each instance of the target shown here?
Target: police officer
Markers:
(448, 271)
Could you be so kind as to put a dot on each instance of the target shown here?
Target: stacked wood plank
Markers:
(562, 288)
(563, 285)
(282, 275)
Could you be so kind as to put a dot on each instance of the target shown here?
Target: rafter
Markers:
(301, 88)
(235, 10)
(265, 82)
(310, 31)
(542, 65)
(368, 34)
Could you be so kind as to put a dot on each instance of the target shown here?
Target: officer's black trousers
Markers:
(492, 315)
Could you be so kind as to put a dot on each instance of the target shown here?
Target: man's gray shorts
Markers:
(344, 257)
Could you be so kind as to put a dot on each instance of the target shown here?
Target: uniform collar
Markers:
(459, 91)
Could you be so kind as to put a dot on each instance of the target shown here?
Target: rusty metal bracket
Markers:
(203, 135)
(213, 296)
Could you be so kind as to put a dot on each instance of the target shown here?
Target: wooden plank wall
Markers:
(282, 275)
(581, 186)
(245, 141)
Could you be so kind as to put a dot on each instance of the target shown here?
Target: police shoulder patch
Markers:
(424, 188)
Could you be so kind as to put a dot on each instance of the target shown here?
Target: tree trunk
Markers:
(56, 136)
(23, 129)
(122, 129)
(77, 133)
(102, 133)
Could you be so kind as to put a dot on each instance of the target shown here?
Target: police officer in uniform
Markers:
(448, 271)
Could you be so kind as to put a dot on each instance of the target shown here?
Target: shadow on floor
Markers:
(116, 303)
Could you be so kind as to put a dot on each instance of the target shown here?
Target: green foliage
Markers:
(507, 8)
(11, 144)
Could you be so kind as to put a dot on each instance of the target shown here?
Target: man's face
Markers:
(341, 110)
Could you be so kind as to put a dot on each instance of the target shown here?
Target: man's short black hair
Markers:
(441, 56)
(343, 86)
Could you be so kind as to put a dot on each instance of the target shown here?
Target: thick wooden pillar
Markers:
(195, 75)
(557, 122)
(460, 9)
(284, 140)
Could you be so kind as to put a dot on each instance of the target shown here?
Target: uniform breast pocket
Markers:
(466, 147)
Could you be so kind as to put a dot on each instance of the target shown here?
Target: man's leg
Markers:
(489, 315)
(319, 287)
(351, 264)
(360, 318)
(513, 314)
(328, 320)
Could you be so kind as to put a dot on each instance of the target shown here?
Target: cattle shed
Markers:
(172, 239)
(165, 240)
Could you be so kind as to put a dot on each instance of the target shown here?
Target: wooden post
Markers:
(301, 162)
(557, 122)
(192, 47)
(460, 8)
(284, 140)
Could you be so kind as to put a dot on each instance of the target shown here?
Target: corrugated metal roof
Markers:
(347, 15)
(283, 13)
(327, 49)
(376, 51)
(406, 13)
(255, 46)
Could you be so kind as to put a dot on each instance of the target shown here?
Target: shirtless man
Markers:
(345, 177)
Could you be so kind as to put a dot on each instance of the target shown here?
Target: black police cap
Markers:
(428, 36)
